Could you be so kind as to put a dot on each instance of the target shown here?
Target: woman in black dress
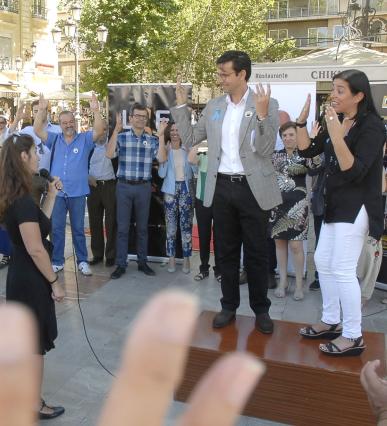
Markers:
(30, 280)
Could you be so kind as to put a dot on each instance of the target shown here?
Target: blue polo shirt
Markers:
(71, 162)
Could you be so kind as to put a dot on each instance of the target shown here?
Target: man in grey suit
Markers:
(241, 129)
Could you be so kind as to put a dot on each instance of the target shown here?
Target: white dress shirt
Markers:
(230, 161)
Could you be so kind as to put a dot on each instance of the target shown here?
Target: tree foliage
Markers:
(154, 40)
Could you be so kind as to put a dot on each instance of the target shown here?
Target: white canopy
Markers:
(323, 65)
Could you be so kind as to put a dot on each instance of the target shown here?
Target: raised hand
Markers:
(315, 130)
(181, 93)
(20, 112)
(43, 103)
(304, 114)
(336, 129)
(163, 125)
(118, 126)
(94, 104)
(262, 99)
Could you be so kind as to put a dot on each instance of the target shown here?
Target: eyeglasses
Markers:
(140, 117)
(223, 75)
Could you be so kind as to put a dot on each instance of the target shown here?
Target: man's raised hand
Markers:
(181, 93)
(94, 104)
(262, 99)
(43, 103)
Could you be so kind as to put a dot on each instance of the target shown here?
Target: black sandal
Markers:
(201, 275)
(331, 333)
(56, 411)
(332, 349)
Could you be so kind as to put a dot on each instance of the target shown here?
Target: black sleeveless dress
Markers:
(25, 283)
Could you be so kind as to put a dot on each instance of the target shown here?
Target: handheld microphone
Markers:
(45, 174)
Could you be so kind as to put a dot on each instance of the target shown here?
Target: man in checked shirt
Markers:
(136, 151)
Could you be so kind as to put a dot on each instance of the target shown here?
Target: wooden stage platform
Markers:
(301, 386)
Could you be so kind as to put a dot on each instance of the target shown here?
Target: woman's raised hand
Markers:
(304, 114)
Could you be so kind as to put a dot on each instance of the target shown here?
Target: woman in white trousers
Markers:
(352, 138)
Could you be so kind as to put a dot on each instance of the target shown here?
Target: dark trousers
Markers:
(101, 203)
(139, 197)
(204, 219)
(238, 218)
(317, 220)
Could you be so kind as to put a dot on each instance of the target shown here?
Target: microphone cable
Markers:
(80, 309)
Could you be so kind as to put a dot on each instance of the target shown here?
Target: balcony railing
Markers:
(9, 6)
(38, 10)
(5, 63)
(302, 12)
(331, 8)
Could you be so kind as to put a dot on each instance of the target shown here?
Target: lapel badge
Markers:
(216, 115)
(75, 150)
(248, 114)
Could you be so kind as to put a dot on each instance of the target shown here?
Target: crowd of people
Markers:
(246, 194)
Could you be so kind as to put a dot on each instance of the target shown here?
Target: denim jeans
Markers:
(5, 242)
(139, 197)
(76, 208)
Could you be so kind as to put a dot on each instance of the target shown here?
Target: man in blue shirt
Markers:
(70, 153)
(136, 152)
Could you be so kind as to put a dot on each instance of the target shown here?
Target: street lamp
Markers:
(367, 25)
(102, 33)
(73, 45)
(76, 12)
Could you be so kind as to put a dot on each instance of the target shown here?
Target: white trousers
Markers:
(336, 258)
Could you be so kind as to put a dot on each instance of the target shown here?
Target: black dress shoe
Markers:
(264, 323)
(223, 318)
(56, 411)
(143, 267)
(118, 272)
(95, 260)
(109, 262)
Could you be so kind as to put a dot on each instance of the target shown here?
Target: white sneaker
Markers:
(57, 268)
(84, 269)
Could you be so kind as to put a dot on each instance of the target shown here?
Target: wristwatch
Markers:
(301, 124)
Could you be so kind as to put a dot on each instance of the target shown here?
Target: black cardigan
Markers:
(346, 191)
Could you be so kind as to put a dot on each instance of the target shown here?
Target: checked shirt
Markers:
(135, 155)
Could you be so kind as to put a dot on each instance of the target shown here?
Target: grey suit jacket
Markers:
(256, 146)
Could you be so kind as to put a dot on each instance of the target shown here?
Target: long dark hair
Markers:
(358, 82)
(15, 177)
(167, 132)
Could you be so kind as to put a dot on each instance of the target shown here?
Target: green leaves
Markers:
(154, 40)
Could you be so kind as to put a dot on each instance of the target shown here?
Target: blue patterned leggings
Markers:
(179, 205)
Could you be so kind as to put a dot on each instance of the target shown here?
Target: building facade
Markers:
(27, 54)
(318, 24)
